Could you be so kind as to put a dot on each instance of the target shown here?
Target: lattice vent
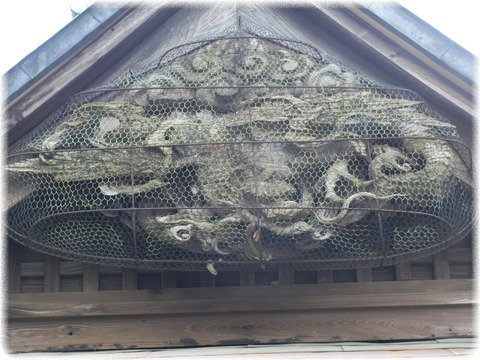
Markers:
(242, 152)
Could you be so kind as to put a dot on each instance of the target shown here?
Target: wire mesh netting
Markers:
(242, 152)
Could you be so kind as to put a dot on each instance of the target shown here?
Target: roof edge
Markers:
(426, 37)
(75, 35)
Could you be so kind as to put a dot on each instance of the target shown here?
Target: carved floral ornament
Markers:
(242, 152)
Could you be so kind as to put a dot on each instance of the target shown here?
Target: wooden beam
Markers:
(403, 271)
(235, 315)
(90, 277)
(441, 267)
(41, 309)
(52, 274)
(129, 279)
(259, 298)
(364, 275)
(232, 329)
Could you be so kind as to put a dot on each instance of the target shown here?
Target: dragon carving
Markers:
(248, 148)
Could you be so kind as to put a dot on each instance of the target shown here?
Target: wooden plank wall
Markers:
(32, 272)
(61, 305)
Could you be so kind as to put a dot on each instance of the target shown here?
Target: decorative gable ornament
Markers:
(242, 152)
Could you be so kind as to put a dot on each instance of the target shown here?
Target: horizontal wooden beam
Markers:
(252, 328)
(233, 305)
(245, 292)
(240, 315)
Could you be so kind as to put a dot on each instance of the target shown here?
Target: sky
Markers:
(24, 25)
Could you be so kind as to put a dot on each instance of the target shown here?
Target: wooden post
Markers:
(129, 279)
(364, 275)
(403, 271)
(325, 276)
(441, 265)
(90, 277)
(51, 281)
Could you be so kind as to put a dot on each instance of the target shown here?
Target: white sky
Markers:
(24, 25)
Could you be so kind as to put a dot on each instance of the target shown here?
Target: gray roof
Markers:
(429, 39)
(66, 41)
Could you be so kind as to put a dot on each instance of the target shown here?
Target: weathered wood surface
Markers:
(239, 315)
(55, 275)
(147, 32)
(74, 74)
(402, 56)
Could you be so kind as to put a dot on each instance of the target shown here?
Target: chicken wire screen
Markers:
(242, 152)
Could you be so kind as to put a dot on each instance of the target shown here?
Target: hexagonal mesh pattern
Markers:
(242, 152)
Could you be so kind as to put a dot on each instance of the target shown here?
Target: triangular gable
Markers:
(237, 148)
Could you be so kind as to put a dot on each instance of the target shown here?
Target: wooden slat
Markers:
(422, 271)
(13, 270)
(52, 274)
(32, 269)
(71, 283)
(386, 273)
(71, 268)
(32, 284)
(108, 282)
(461, 271)
(460, 254)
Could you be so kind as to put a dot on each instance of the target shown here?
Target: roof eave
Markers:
(50, 88)
(71, 39)
(426, 37)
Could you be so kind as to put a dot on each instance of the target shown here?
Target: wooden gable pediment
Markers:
(242, 306)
